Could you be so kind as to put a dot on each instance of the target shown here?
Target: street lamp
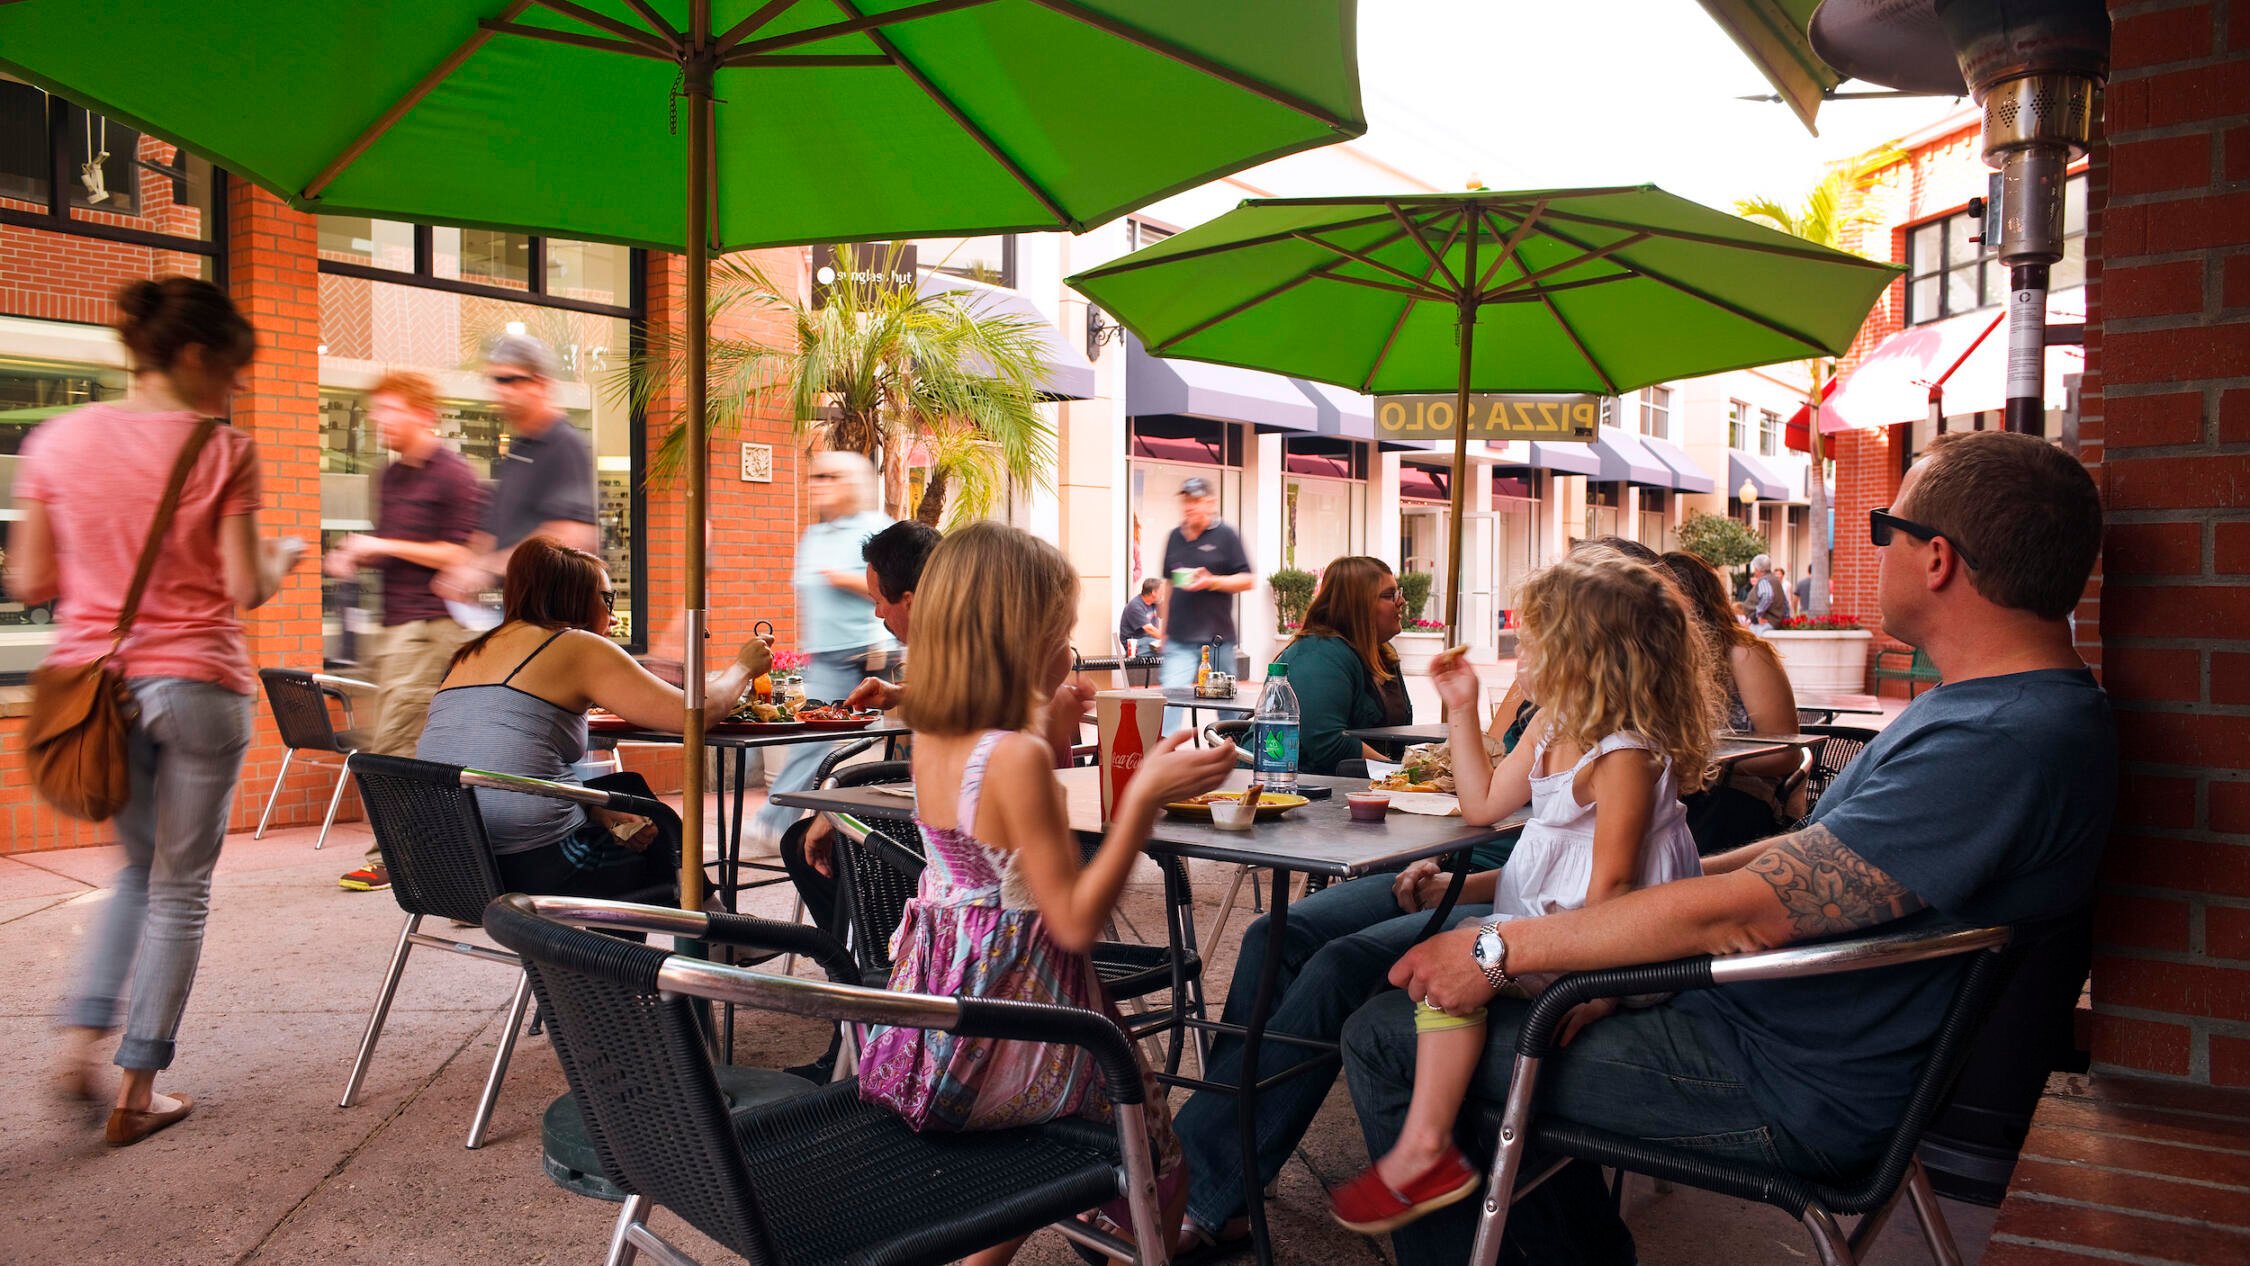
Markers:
(1747, 494)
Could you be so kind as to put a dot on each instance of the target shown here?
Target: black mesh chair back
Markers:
(879, 874)
(432, 837)
(638, 1066)
(300, 710)
(822, 1177)
(1842, 744)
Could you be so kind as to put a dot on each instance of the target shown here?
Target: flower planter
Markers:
(1823, 661)
(1416, 650)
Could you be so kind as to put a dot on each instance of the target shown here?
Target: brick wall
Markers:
(2168, 417)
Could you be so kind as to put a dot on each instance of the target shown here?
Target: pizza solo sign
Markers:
(1492, 416)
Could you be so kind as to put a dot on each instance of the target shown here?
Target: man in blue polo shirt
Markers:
(1986, 802)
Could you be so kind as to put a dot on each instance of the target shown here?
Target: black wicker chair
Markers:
(1818, 1204)
(300, 712)
(822, 1178)
(426, 823)
(879, 864)
(1843, 745)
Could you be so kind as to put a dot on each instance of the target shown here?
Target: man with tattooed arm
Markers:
(1986, 802)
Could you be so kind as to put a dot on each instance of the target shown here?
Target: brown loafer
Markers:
(127, 1127)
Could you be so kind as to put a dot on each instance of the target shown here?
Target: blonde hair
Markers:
(992, 603)
(1614, 648)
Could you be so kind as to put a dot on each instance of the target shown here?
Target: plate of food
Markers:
(604, 719)
(1270, 805)
(835, 716)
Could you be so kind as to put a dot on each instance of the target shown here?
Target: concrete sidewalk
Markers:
(270, 1170)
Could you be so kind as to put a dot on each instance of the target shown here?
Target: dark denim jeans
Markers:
(1649, 1073)
(1338, 951)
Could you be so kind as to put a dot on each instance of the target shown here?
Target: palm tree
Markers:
(1818, 219)
(881, 369)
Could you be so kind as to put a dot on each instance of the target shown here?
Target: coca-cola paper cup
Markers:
(1131, 722)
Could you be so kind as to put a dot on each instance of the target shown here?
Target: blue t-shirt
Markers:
(1990, 800)
(829, 618)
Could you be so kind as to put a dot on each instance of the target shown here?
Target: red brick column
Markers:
(272, 273)
(2167, 415)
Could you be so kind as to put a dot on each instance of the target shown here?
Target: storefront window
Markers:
(128, 208)
(1602, 508)
(1325, 490)
(370, 327)
(990, 259)
(1515, 504)
(1653, 514)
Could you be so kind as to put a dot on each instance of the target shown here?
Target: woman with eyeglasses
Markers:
(1342, 666)
(514, 702)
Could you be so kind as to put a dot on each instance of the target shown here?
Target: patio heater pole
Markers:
(1466, 323)
(696, 71)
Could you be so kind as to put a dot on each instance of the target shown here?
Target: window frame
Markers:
(1738, 425)
(1660, 413)
(61, 180)
(1771, 437)
(635, 315)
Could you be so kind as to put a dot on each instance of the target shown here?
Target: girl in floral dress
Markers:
(1005, 909)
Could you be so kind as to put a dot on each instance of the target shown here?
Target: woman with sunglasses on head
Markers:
(515, 702)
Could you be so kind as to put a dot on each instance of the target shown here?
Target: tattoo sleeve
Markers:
(1827, 888)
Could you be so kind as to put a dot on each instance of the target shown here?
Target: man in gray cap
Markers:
(543, 485)
(1206, 567)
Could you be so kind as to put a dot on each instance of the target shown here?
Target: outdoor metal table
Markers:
(729, 884)
(1436, 732)
(1734, 748)
(1829, 706)
(1244, 703)
(1317, 839)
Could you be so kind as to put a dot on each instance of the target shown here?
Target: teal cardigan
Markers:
(1335, 692)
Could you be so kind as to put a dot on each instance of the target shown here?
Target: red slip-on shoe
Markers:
(1371, 1206)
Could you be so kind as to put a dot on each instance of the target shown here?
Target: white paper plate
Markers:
(474, 617)
(1436, 804)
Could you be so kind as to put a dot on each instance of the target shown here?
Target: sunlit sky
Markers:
(1543, 93)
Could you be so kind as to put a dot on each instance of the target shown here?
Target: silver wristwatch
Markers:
(1492, 957)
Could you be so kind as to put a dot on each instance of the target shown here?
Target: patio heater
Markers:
(2037, 68)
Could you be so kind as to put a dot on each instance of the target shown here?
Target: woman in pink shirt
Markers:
(89, 485)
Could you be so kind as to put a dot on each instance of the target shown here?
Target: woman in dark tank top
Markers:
(515, 702)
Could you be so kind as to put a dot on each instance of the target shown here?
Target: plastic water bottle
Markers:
(1274, 729)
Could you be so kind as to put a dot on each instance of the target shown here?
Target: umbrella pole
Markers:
(697, 72)
(1467, 326)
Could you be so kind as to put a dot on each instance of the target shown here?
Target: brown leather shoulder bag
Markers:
(81, 714)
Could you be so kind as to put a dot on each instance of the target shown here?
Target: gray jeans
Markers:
(186, 753)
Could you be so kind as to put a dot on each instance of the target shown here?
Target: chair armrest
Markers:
(788, 938)
(1536, 1039)
(716, 926)
(594, 797)
(344, 685)
(828, 763)
(1092, 1031)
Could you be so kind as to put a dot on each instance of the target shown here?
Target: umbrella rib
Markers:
(783, 61)
(1821, 255)
(573, 38)
(1324, 271)
(962, 120)
(654, 19)
(1592, 255)
(1195, 60)
(647, 39)
(1136, 261)
(1383, 353)
(443, 71)
(1422, 284)
(1425, 292)
(750, 26)
(1437, 258)
(1695, 292)
(1509, 242)
(1609, 384)
(815, 34)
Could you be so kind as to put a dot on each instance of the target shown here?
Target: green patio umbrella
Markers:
(711, 125)
(1548, 290)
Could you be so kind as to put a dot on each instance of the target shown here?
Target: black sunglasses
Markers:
(1881, 523)
(508, 380)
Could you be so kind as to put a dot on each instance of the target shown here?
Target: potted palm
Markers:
(907, 379)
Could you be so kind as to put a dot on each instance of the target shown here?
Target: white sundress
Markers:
(1553, 861)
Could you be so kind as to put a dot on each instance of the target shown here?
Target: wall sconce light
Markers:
(1100, 330)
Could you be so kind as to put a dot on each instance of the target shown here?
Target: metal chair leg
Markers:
(622, 1250)
(1931, 1216)
(491, 1096)
(1827, 1237)
(342, 776)
(273, 797)
(796, 915)
(1226, 907)
(382, 1009)
(1507, 1161)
